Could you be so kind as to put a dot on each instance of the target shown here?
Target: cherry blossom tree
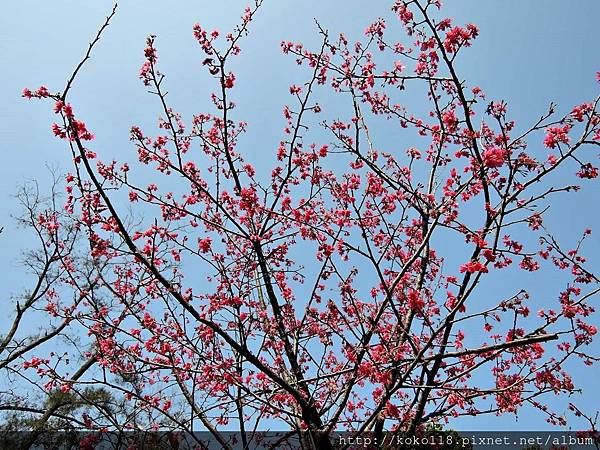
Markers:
(341, 288)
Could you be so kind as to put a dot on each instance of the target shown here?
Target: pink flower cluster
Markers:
(41, 92)
(458, 37)
(557, 135)
(494, 157)
(473, 267)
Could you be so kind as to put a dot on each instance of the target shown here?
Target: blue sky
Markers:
(529, 53)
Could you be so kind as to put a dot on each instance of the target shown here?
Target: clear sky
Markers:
(530, 52)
